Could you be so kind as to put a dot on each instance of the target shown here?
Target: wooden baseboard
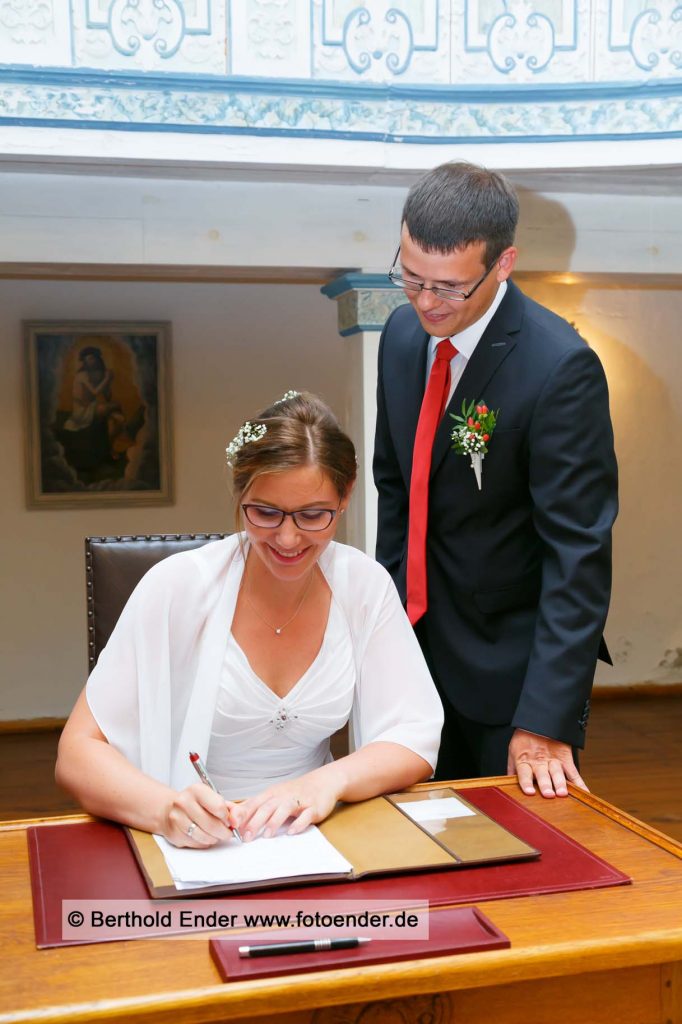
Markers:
(637, 690)
(32, 725)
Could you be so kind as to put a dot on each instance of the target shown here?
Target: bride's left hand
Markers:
(306, 800)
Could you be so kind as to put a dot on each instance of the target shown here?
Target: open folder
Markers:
(404, 832)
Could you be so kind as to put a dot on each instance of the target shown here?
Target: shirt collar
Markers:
(467, 340)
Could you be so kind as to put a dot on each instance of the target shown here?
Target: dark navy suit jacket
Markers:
(519, 573)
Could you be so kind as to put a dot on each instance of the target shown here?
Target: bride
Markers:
(253, 651)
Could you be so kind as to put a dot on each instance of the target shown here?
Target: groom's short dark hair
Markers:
(458, 204)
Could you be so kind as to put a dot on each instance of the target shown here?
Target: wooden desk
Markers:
(612, 955)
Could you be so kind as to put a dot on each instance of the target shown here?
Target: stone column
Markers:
(364, 302)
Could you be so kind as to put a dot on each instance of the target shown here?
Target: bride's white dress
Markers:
(260, 738)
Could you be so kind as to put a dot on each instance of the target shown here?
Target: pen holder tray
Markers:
(458, 930)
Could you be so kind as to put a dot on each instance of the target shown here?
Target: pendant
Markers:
(278, 631)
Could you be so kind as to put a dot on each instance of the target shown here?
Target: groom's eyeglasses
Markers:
(413, 287)
(268, 518)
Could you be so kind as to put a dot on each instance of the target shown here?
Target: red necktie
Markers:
(433, 407)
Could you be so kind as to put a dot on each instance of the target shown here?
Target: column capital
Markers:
(364, 301)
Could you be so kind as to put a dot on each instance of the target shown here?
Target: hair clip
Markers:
(286, 396)
(244, 435)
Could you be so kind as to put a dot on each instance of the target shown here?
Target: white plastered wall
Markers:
(636, 333)
(235, 348)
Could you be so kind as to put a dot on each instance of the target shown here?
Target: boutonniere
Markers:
(472, 434)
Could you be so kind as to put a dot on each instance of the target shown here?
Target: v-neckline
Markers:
(261, 682)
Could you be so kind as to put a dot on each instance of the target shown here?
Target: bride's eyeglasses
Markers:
(268, 518)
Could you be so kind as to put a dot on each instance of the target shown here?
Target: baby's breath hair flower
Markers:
(286, 396)
(249, 432)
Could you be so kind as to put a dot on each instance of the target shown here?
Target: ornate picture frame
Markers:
(97, 413)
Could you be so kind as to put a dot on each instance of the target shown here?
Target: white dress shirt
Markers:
(465, 342)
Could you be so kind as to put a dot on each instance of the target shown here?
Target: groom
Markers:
(506, 584)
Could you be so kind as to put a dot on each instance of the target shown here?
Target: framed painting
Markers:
(97, 414)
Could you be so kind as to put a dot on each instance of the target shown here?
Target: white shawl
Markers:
(153, 691)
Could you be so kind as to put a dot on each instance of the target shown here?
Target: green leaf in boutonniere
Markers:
(471, 436)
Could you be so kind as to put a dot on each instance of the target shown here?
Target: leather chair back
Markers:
(114, 566)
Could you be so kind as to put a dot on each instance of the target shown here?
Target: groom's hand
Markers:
(548, 762)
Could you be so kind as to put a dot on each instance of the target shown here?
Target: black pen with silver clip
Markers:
(206, 779)
(311, 946)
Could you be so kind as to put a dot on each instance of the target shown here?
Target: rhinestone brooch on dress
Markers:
(282, 717)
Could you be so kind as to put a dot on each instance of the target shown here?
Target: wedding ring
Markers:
(190, 828)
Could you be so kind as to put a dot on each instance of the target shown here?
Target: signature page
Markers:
(281, 856)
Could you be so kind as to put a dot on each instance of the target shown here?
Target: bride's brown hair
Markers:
(301, 430)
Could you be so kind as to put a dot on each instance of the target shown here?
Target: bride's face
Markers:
(289, 551)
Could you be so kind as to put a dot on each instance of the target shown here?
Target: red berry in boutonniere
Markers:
(471, 436)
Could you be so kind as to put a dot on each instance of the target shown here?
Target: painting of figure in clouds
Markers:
(97, 414)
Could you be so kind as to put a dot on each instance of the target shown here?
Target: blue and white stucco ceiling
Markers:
(411, 71)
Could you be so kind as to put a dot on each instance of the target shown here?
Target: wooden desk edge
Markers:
(628, 821)
(265, 997)
(253, 999)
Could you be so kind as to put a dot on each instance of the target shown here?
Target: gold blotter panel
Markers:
(396, 834)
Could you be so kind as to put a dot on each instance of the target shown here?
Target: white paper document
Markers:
(430, 810)
(281, 856)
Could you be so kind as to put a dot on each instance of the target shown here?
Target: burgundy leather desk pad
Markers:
(93, 860)
(457, 930)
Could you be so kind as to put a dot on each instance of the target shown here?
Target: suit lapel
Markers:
(497, 342)
(410, 392)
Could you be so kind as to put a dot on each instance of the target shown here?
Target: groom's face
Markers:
(460, 269)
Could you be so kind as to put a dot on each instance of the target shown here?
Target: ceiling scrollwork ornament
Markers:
(271, 28)
(656, 38)
(138, 24)
(521, 41)
(381, 38)
(27, 21)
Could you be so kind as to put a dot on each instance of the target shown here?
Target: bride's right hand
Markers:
(196, 817)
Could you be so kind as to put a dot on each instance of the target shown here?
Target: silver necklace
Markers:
(277, 630)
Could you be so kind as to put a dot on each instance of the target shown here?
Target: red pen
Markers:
(206, 779)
